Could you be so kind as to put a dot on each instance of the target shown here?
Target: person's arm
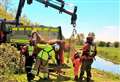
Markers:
(95, 51)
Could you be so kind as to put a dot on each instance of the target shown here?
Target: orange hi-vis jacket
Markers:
(76, 64)
(89, 51)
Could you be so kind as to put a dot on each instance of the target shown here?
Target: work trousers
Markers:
(86, 66)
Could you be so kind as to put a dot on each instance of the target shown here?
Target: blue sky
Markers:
(98, 16)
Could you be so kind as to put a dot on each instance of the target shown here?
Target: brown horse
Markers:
(36, 38)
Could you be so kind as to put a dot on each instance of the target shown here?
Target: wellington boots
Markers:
(80, 78)
(88, 79)
(76, 78)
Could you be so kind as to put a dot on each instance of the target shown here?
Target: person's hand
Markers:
(73, 65)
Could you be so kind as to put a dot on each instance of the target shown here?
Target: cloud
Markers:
(109, 33)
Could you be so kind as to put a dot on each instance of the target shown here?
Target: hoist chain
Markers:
(74, 32)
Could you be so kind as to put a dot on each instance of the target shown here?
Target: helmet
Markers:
(91, 34)
(56, 47)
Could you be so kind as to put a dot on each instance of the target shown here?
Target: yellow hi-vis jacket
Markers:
(46, 52)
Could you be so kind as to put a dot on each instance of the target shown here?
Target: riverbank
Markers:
(109, 53)
(101, 76)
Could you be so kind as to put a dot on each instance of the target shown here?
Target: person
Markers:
(59, 56)
(26, 51)
(43, 58)
(76, 64)
(88, 54)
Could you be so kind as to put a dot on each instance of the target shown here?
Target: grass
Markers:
(109, 53)
(98, 76)
(101, 76)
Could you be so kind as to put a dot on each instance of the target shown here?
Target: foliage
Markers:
(108, 44)
(5, 14)
(102, 44)
(9, 59)
(116, 44)
(9, 16)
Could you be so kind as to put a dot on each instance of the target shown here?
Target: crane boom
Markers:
(55, 6)
(48, 3)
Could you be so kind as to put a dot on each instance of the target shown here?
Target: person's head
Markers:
(90, 38)
(91, 34)
(32, 39)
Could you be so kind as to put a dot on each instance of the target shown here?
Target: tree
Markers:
(108, 44)
(101, 44)
(116, 44)
(6, 4)
(80, 38)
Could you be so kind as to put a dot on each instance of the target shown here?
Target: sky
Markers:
(98, 16)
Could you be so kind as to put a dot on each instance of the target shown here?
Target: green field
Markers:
(109, 53)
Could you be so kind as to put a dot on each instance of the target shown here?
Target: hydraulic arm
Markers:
(48, 3)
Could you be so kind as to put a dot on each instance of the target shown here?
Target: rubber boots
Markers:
(88, 79)
(76, 78)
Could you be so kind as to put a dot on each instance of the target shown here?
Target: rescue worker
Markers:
(26, 52)
(76, 64)
(59, 56)
(88, 54)
(43, 57)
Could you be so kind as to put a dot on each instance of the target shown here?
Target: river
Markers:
(105, 65)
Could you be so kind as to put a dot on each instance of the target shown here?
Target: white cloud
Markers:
(109, 33)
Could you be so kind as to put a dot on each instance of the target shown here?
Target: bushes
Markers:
(108, 44)
(116, 44)
(9, 59)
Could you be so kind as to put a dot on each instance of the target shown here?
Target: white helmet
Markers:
(56, 47)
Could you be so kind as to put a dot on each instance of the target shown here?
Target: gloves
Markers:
(73, 65)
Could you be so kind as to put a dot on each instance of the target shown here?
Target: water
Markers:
(104, 65)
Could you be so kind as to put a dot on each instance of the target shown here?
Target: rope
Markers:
(72, 43)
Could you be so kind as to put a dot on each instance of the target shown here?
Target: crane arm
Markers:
(48, 3)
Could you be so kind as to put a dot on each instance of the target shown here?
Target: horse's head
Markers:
(35, 38)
